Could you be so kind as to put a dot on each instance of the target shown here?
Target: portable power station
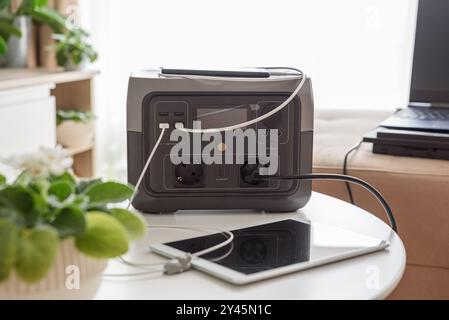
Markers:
(218, 99)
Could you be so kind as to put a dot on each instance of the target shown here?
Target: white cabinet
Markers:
(27, 119)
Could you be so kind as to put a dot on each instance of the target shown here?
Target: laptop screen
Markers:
(430, 78)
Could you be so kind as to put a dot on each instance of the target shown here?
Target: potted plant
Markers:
(75, 129)
(72, 50)
(15, 27)
(57, 232)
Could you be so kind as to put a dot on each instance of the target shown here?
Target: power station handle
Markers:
(244, 73)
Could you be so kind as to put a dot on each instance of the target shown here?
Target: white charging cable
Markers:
(163, 127)
(300, 76)
(181, 263)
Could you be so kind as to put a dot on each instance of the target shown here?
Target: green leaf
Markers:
(86, 183)
(49, 17)
(104, 238)
(81, 201)
(69, 222)
(18, 197)
(61, 56)
(39, 3)
(8, 233)
(9, 29)
(73, 115)
(66, 176)
(6, 212)
(100, 208)
(132, 222)
(2, 180)
(4, 4)
(3, 46)
(41, 205)
(77, 57)
(61, 189)
(108, 192)
(25, 7)
(39, 186)
(36, 251)
(72, 47)
(20, 203)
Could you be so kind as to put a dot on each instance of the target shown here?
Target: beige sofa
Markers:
(417, 190)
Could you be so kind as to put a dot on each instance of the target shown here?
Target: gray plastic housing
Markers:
(157, 195)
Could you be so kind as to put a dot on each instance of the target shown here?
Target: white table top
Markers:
(373, 276)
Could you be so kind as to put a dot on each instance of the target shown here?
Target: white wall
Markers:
(358, 52)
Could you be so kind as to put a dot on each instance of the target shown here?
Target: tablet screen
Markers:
(269, 246)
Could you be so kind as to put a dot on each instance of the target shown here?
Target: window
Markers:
(357, 52)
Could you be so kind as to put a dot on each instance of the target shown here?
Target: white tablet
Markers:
(269, 250)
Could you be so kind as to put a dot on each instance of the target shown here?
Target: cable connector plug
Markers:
(250, 174)
(164, 125)
(178, 265)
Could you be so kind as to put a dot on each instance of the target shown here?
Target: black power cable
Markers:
(345, 171)
(340, 177)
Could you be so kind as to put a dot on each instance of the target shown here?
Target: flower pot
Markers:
(75, 134)
(73, 276)
(70, 66)
(17, 54)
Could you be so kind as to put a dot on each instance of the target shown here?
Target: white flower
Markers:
(45, 162)
(57, 160)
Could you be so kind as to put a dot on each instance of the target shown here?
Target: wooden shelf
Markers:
(72, 90)
(14, 78)
(75, 151)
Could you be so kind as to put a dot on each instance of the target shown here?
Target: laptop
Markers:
(428, 109)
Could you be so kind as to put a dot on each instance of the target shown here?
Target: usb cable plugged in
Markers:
(163, 126)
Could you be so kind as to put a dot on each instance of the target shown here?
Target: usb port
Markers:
(163, 114)
(179, 114)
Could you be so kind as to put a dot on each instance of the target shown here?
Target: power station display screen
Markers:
(221, 117)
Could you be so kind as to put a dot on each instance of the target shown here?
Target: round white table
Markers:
(373, 276)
